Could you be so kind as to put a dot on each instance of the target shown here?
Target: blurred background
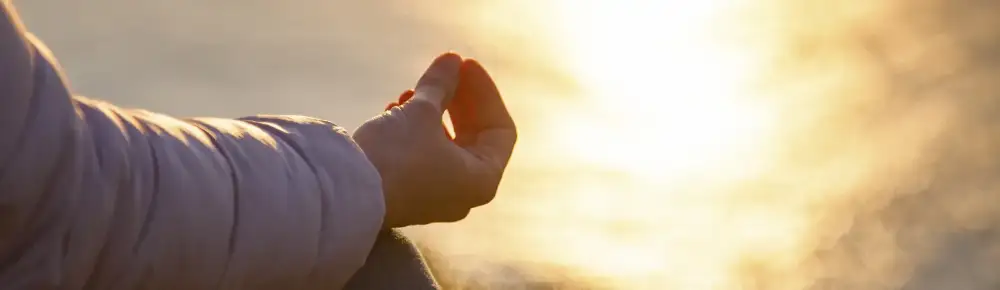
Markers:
(714, 144)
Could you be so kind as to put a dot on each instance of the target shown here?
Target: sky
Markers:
(720, 144)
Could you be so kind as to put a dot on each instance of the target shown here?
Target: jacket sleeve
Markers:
(93, 196)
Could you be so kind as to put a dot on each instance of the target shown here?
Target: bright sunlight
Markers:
(663, 93)
(665, 104)
(662, 121)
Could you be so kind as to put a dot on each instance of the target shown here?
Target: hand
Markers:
(427, 176)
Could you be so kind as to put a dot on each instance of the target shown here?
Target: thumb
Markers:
(437, 85)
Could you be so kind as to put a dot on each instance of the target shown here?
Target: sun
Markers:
(664, 98)
(661, 103)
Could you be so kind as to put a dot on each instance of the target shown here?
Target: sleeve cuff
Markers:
(352, 200)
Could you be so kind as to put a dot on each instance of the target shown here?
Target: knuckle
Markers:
(484, 198)
(456, 215)
(481, 193)
(421, 109)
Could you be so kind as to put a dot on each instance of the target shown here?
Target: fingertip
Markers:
(469, 61)
(405, 96)
(438, 83)
(480, 87)
(446, 63)
(474, 72)
(449, 58)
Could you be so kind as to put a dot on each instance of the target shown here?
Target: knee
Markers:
(394, 263)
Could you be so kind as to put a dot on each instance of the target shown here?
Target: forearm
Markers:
(207, 202)
(40, 130)
(92, 194)
(16, 80)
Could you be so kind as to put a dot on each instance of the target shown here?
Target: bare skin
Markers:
(428, 176)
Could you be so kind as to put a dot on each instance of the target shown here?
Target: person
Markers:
(94, 196)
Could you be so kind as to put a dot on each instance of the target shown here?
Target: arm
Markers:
(92, 195)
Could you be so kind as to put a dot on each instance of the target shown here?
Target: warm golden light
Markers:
(725, 144)
(662, 121)
(664, 98)
(666, 103)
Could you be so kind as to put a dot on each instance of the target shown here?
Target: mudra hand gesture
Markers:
(428, 176)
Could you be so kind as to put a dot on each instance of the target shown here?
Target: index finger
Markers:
(481, 120)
